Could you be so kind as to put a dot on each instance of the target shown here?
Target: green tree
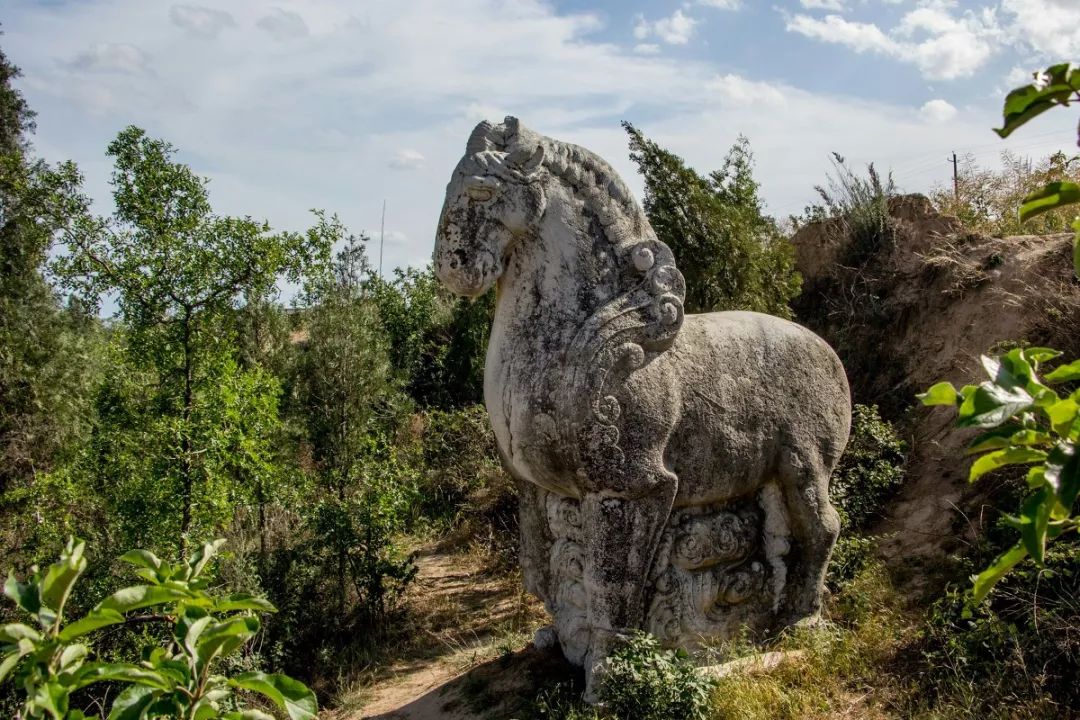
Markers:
(438, 342)
(341, 570)
(16, 117)
(732, 255)
(46, 352)
(178, 273)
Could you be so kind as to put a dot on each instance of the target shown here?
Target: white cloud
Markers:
(407, 159)
(1018, 76)
(835, 5)
(647, 48)
(280, 132)
(860, 37)
(942, 45)
(674, 30)
(937, 111)
(201, 21)
(1049, 27)
(119, 58)
(283, 25)
(722, 4)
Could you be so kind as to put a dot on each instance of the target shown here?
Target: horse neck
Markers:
(555, 278)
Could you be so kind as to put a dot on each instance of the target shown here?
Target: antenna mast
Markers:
(382, 236)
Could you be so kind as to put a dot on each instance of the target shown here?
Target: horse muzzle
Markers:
(470, 273)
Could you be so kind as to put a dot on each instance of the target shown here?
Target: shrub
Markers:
(645, 682)
(871, 469)
(1020, 649)
(861, 208)
(850, 556)
(51, 661)
(557, 704)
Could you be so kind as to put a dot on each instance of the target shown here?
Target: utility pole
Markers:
(955, 179)
(382, 236)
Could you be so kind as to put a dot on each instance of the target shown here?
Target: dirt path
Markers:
(468, 652)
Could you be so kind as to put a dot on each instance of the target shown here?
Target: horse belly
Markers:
(716, 465)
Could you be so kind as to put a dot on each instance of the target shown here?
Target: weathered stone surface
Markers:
(673, 469)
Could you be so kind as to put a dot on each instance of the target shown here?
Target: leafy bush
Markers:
(1020, 648)
(850, 556)
(51, 662)
(871, 469)
(642, 681)
(1025, 423)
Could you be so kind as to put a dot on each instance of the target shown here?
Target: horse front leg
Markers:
(621, 532)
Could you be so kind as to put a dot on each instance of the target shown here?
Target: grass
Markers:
(835, 670)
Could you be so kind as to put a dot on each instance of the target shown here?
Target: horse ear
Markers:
(480, 139)
(526, 163)
(535, 161)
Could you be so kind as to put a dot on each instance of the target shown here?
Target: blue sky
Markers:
(290, 105)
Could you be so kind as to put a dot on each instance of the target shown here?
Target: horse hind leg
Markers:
(814, 526)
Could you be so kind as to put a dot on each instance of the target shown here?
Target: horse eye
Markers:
(478, 192)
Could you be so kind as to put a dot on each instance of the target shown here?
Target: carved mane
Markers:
(639, 321)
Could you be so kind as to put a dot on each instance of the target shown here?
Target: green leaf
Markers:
(1034, 519)
(943, 393)
(249, 714)
(202, 556)
(244, 601)
(1041, 354)
(985, 581)
(990, 405)
(290, 695)
(25, 595)
(94, 620)
(1076, 248)
(9, 662)
(1036, 477)
(994, 439)
(224, 638)
(1062, 414)
(192, 627)
(1001, 458)
(61, 576)
(1029, 101)
(1063, 473)
(1051, 197)
(138, 597)
(14, 632)
(131, 703)
(72, 657)
(120, 672)
(142, 558)
(52, 698)
(1064, 373)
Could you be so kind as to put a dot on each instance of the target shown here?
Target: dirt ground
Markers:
(470, 654)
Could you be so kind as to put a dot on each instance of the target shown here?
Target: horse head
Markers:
(494, 198)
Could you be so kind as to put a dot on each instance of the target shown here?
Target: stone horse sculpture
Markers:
(673, 469)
